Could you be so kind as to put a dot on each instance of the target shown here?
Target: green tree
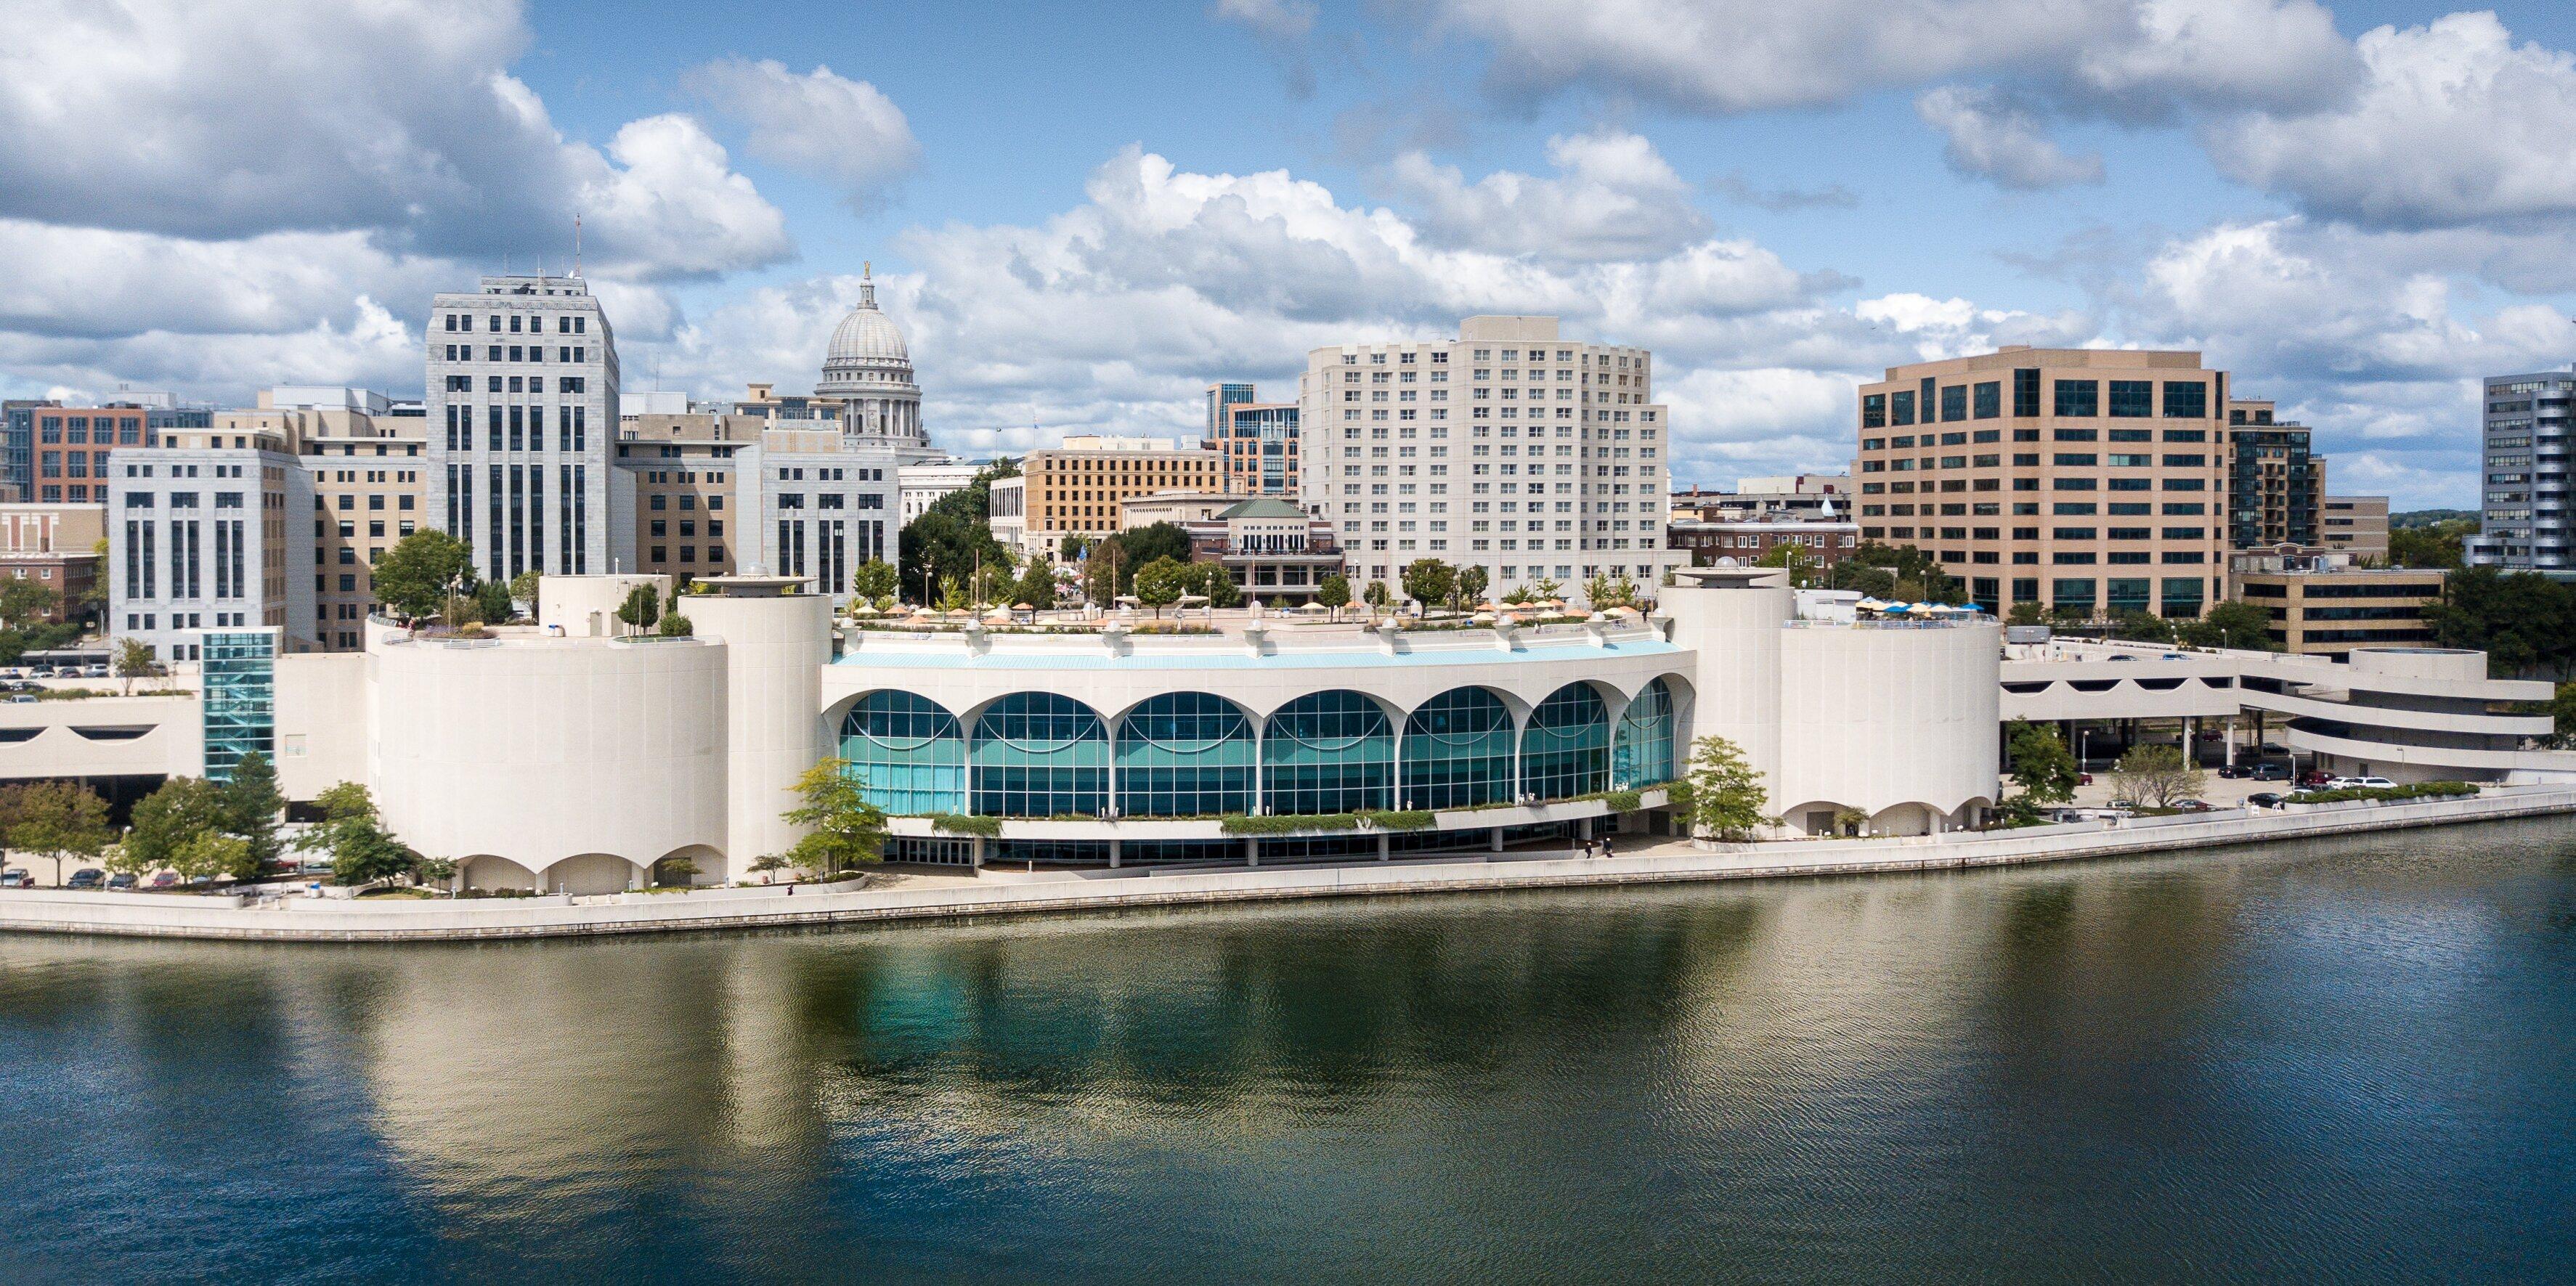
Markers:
(1726, 797)
(642, 608)
(523, 588)
(1547, 587)
(874, 580)
(492, 602)
(843, 828)
(1472, 580)
(1334, 593)
(2523, 621)
(1375, 594)
(2562, 716)
(2230, 624)
(952, 536)
(2140, 626)
(1605, 592)
(134, 660)
(362, 851)
(770, 863)
(1160, 583)
(1213, 581)
(55, 819)
(25, 602)
(673, 625)
(1427, 581)
(421, 571)
(171, 818)
(251, 803)
(2030, 613)
(2041, 765)
(1139, 548)
(1915, 576)
(1037, 585)
(214, 854)
(1800, 563)
(2155, 775)
(2435, 545)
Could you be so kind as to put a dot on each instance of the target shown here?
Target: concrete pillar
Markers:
(977, 853)
(1498, 839)
(1383, 847)
(1113, 854)
(776, 645)
(1251, 852)
(2231, 741)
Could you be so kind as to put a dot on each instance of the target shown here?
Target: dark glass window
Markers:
(2186, 400)
(1990, 400)
(2079, 398)
(2133, 399)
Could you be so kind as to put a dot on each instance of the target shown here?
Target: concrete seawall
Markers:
(150, 915)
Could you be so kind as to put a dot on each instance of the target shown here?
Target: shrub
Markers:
(1286, 823)
(1398, 820)
(963, 824)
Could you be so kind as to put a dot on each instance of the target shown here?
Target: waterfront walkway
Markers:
(1002, 892)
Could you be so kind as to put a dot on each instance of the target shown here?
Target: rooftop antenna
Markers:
(576, 245)
(867, 285)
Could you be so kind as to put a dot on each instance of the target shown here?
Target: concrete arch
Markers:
(492, 872)
(1117, 719)
(1913, 817)
(839, 709)
(1427, 762)
(1820, 818)
(709, 860)
(589, 873)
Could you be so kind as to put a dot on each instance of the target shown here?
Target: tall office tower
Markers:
(522, 413)
(1219, 398)
(2276, 487)
(1258, 440)
(1508, 448)
(2525, 519)
(2083, 480)
(18, 447)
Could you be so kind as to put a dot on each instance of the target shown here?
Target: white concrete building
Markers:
(1510, 447)
(924, 484)
(522, 412)
(209, 538)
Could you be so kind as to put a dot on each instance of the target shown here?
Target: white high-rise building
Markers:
(522, 417)
(1509, 448)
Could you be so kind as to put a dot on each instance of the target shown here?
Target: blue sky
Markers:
(1080, 219)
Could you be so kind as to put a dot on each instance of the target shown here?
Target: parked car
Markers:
(16, 878)
(2264, 799)
(22, 699)
(2268, 772)
(121, 880)
(2271, 748)
(2359, 783)
(93, 671)
(87, 877)
(2195, 805)
(166, 879)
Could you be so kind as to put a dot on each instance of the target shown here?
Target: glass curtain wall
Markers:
(1566, 751)
(1458, 751)
(239, 671)
(1185, 754)
(1328, 752)
(1039, 754)
(906, 752)
(1643, 753)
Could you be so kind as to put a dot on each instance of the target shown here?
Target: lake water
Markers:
(2344, 1060)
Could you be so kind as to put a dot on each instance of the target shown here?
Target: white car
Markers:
(2359, 783)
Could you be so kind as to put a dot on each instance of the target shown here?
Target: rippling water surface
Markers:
(2350, 1060)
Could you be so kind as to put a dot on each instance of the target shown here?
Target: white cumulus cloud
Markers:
(843, 130)
(1991, 138)
(1613, 197)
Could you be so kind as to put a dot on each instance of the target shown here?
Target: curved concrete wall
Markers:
(547, 749)
(1737, 678)
(1877, 717)
(776, 650)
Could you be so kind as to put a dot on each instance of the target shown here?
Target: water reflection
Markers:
(2069, 1071)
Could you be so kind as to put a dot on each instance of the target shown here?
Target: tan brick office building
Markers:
(2088, 480)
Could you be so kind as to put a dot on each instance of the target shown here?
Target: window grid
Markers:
(1039, 754)
(1566, 751)
(1328, 752)
(906, 752)
(1185, 754)
(1643, 753)
(1458, 751)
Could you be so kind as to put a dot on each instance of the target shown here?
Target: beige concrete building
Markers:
(710, 494)
(55, 546)
(1511, 447)
(2090, 480)
(2325, 605)
(1082, 487)
(2356, 525)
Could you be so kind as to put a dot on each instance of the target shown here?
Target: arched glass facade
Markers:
(1185, 754)
(906, 752)
(1566, 751)
(1643, 753)
(1040, 754)
(1458, 751)
(1328, 752)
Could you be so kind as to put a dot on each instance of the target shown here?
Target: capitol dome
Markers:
(868, 368)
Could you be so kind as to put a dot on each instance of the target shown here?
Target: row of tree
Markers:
(218, 830)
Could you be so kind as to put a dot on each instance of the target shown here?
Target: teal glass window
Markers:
(1458, 751)
(239, 670)
(1566, 750)
(906, 752)
(1185, 754)
(1328, 752)
(1643, 753)
(1040, 754)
